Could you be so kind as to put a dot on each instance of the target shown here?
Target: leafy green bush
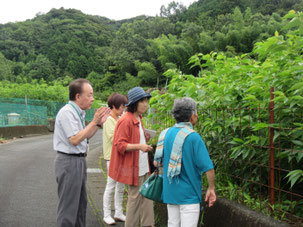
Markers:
(233, 95)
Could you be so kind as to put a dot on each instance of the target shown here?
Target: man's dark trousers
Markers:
(71, 177)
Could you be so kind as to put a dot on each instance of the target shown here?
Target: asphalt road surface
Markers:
(28, 189)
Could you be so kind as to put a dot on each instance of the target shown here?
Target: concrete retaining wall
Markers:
(228, 213)
(21, 131)
(225, 213)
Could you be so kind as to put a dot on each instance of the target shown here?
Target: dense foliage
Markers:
(56, 93)
(117, 55)
(35, 90)
(233, 95)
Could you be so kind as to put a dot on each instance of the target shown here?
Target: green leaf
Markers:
(277, 134)
(236, 153)
(259, 126)
(297, 142)
(297, 97)
(297, 86)
(294, 176)
(250, 97)
(299, 156)
(294, 23)
(238, 140)
(245, 154)
(291, 14)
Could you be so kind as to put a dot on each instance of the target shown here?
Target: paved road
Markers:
(28, 195)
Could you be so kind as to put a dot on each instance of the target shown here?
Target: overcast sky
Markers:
(21, 10)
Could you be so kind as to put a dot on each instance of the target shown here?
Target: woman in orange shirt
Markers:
(129, 159)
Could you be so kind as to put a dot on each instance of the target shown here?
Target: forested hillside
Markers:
(64, 44)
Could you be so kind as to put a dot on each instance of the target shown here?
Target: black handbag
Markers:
(151, 162)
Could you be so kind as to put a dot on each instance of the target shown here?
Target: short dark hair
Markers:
(133, 107)
(75, 87)
(116, 100)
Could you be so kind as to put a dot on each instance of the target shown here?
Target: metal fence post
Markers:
(271, 175)
(26, 109)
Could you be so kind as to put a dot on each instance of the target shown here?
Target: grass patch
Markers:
(2, 140)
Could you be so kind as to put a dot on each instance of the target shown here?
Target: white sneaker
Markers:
(120, 218)
(109, 220)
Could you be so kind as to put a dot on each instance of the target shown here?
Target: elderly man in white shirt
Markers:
(71, 143)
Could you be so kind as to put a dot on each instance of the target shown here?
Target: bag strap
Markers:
(160, 144)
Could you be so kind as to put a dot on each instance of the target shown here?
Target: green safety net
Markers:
(15, 112)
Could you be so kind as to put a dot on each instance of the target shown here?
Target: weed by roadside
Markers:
(3, 141)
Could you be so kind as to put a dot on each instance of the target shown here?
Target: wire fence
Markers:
(258, 152)
(15, 112)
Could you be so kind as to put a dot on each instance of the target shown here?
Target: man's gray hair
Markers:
(183, 109)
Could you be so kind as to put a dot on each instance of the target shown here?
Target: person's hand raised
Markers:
(101, 115)
(105, 115)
